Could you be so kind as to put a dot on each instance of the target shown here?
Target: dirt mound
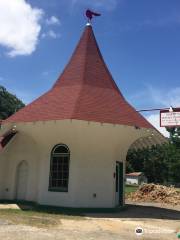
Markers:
(155, 193)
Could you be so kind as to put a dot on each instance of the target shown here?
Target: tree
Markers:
(156, 166)
(174, 135)
(160, 163)
(151, 161)
(9, 103)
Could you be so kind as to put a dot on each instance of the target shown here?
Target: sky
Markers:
(139, 40)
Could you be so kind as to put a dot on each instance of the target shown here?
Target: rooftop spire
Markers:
(87, 66)
(84, 91)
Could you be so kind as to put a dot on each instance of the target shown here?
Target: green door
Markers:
(119, 183)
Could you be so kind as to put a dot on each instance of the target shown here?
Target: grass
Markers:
(34, 218)
(130, 188)
(45, 216)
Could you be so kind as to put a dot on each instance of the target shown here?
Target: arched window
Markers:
(59, 168)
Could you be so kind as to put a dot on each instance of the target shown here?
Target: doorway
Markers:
(119, 183)
(21, 180)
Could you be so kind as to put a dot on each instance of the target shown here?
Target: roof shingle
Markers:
(84, 91)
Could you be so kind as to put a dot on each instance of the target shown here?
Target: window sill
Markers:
(57, 190)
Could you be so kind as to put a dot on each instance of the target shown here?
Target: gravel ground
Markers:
(157, 222)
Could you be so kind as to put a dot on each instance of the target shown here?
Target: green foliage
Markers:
(9, 103)
(174, 135)
(160, 163)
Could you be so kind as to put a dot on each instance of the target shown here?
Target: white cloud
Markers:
(53, 21)
(166, 98)
(153, 97)
(19, 26)
(154, 119)
(51, 34)
(97, 4)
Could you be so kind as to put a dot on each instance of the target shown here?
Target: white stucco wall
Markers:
(22, 147)
(94, 150)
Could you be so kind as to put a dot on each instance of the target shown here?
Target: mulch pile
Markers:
(155, 193)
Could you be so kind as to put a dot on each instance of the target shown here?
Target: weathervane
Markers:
(90, 15)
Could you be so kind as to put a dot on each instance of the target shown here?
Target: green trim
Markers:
(5, 201)
(120, 181)
(78, 211)
(57, 190)
(63, 210)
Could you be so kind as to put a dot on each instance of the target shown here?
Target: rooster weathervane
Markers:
(90, 14)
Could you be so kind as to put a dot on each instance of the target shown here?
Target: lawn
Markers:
(130, 188)
(34, 218)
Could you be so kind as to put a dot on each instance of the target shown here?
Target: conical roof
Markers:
(84, 91)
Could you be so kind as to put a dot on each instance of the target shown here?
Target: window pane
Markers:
(59, 175)
(53, 183)
(58, 183)
(55, 159)
(61, 149)
(65, 167)
(65, 183)
(60, 167)
(66, 159)
(65, 175)
(59, 172)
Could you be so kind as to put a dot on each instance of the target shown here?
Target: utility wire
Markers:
(159, 109)
(153, 109)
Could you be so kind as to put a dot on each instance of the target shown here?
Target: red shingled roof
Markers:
(134, 174)
(85, 91)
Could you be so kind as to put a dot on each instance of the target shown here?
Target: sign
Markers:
(170, 118)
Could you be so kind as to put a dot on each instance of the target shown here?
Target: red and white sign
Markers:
(170, 118)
